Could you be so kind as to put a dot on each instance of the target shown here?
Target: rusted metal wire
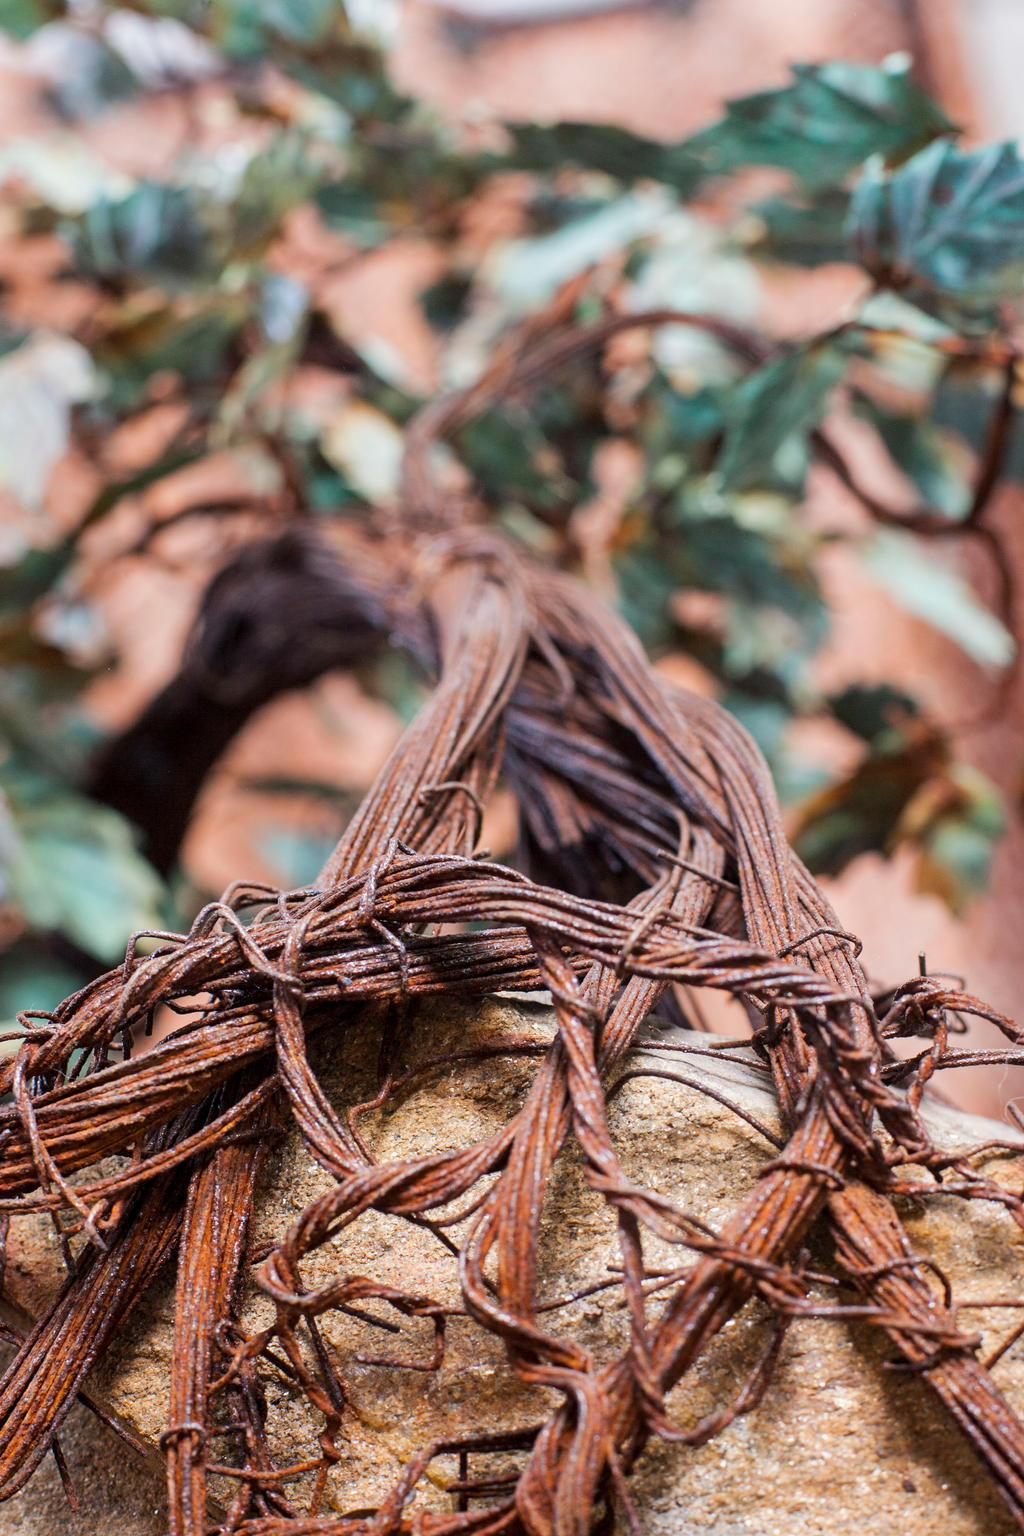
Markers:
(654, 854)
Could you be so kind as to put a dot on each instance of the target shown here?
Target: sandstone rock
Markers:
(118, 1494)
(839, 1441)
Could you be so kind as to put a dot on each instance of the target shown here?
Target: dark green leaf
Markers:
(273, 183)
(444, 302)
(36, 572)
(829, 120)
(603, 147)
(774, 614)
(510, 458)
(766, 719)
(926, 455)
(243, 28)
(677, 423)
(861, 814)
(958, 838)
(20, 18)
(327, 489)
(965, 402)
(906, 792)
(72, 866)
(30, 978)
(352, 78)
(949, 221)
(194, 342)
(156, 231)
(807, 233)
(871, 711)
(721, 555)
(955, 862)
(646, 583)
(174, 234)
(785, 399)
(89, 75)
(827, 845)
(354, 211)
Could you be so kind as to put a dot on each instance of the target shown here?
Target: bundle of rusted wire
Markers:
(653, 855)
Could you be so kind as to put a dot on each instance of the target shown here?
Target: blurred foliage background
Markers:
(193, 367)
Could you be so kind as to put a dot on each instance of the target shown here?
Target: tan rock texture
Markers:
(118, 1494)
(839, 1443)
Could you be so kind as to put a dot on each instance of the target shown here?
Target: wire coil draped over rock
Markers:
(656, 855)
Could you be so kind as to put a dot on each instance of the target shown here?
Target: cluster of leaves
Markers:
(195, 304)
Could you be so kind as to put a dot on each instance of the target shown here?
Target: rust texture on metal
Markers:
(653, 856)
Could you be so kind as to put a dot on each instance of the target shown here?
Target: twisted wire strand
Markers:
(654, 855)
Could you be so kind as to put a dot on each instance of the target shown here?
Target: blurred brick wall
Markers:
(661, 69)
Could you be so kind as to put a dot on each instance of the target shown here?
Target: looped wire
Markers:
(175, 1433)
(823, 931)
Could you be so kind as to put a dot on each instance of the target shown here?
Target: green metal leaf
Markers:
(807, 232)
(829, 120)
(958, 840)
(273, 183)
(773, 614)
(509, 457)
(949, 221)
(85, 75)
(867, 811)
(529, 272)
(31, 979)
(785, 399)
(872, 711)
(354, 211)
(646, 585)
(157, 231)
(604, 147)
(935, 462)
(22, 585)
(244, 28)
(955, 862)
(175, 235)
(71, 866)
(20, 18)
(963, 402)
(192, 339)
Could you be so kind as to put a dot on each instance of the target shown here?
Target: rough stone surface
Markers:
(118, 1494)
(839, 1440)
